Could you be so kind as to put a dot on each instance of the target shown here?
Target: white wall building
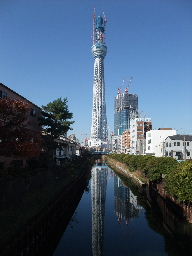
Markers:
(155, 140)
(178, 147)
(98, 145)
(138, 129)
(66, 149)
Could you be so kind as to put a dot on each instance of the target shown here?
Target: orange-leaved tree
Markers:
(15, 137)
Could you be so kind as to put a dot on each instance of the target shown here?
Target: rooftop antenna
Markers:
(123, 83)
(105, 18)
(129, 82)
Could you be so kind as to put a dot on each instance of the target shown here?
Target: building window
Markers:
(166, 153)
(149, 148)
(188, 153)
(188, 143)
(166, 144)
(33, 112)
(178, 143)
(3, 95)
(170, 144)
(149, 141)
(174, 143)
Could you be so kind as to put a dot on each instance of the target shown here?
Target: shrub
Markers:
(179, 184)
(186, 166)
(153, 167)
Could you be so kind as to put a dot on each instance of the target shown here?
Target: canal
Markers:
(113, 218)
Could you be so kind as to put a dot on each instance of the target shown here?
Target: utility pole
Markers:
(184, 148)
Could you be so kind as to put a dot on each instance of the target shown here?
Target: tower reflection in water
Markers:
(126, 206)
(98, 196)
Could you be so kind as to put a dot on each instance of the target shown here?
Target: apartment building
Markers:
(155, 140)
(178, 146)
(138, 129)
(126, 142)
(32, 122)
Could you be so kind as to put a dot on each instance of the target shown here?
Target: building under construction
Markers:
(125, 106)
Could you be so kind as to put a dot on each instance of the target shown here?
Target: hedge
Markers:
(177, 176)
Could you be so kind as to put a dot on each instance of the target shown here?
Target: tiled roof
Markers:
(6, 87)
(181, 137)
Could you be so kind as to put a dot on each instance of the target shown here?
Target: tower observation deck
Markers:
(99, 49)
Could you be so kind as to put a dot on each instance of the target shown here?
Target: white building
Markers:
(138, 129)
(178, 147)
(65, 149)
(98, 145)
(155, 140)
(117, 144)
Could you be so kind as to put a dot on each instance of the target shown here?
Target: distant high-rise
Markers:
(99, 50)
(126, 104)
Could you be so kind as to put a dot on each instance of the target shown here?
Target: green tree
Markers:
(56, 117)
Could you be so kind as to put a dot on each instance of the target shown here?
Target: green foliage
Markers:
(177, 176)
(152, 170)
(158, 166)
(179, 183)
(55, 119)
(152, 167)
(186, 166)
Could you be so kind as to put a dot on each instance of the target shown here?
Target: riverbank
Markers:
(122, 169)
(24, 198)
(154, 182)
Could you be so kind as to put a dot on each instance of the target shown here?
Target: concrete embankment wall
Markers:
(123, 169)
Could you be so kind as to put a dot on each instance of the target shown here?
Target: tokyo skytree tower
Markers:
(99, 50)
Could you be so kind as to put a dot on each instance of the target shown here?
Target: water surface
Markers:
(111, 219)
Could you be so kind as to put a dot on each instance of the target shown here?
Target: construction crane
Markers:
(127, 83)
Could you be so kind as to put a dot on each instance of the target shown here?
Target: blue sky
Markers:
(45, 53)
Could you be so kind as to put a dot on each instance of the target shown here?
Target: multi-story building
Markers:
(32, 123)
(116, 143)
(138, 130)
(66, 149)
(34, 110)
(126, 142)
(178, 147)
(125, 105)
(155, 140)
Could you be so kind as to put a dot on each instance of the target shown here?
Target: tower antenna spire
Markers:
(94, 25)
